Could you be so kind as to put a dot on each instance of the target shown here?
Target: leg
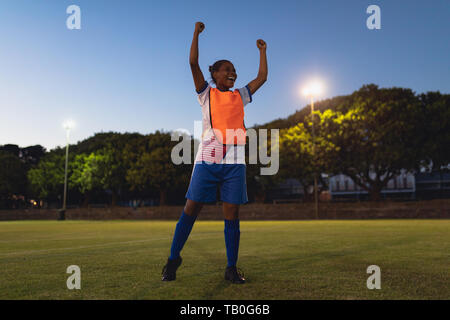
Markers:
(232, 232)
(201, 188)
(184, 227)
(192, 208)
(230, 211)
(182, 231)
(232, 236)
(233, 193)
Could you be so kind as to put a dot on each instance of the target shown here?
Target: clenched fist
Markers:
(261, 44)
(199, 27)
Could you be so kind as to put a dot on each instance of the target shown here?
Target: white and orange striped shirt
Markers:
(210, 149)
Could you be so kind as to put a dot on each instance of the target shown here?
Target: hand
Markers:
(199, 27)
(261, 44)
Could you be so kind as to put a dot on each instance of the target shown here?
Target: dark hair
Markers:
(215, 67)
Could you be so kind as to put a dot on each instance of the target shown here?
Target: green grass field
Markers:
(280, 259)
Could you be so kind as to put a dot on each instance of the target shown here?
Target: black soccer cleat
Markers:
(234, 275)
(170, 269)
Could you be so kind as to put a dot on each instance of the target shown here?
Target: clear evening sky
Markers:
(127, 68)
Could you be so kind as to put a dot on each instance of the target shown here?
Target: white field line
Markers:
(92, 237)
(103, 245)
(193, 236)
(45, 239)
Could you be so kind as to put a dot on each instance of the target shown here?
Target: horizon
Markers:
(127, 69)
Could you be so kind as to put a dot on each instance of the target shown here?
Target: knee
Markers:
(231, 211)
(192, 208)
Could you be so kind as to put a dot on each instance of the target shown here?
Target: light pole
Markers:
(67, 125)
(312, 90)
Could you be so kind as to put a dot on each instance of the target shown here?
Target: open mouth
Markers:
(231, 78)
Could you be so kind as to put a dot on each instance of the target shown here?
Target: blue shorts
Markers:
(229, 177)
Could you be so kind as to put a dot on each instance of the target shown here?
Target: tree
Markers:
(154, 170)
(11, 148)
(47, 178)
(433, 130)
(12, 178)
(119, 151)
(32, 154)
(112, 168)
(373, 135)
(297, 159)
(89, 172)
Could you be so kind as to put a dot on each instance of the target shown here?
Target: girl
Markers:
(220, 160)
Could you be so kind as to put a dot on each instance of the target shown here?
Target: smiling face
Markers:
(225, 76)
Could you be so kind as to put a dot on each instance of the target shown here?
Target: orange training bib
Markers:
(226, 112)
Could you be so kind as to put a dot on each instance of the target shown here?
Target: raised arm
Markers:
(197, 74)
(262, 72)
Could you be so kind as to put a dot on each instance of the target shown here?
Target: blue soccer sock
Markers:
(182, 231)
(232, 235)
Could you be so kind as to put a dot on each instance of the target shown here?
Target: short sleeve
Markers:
(203, 93)
(245, 95)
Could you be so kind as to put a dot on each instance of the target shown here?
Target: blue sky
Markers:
(127, 69)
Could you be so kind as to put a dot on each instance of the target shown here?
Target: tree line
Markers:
(369, 135)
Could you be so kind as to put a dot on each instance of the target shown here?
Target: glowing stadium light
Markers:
(68, 125)
(313, 89)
